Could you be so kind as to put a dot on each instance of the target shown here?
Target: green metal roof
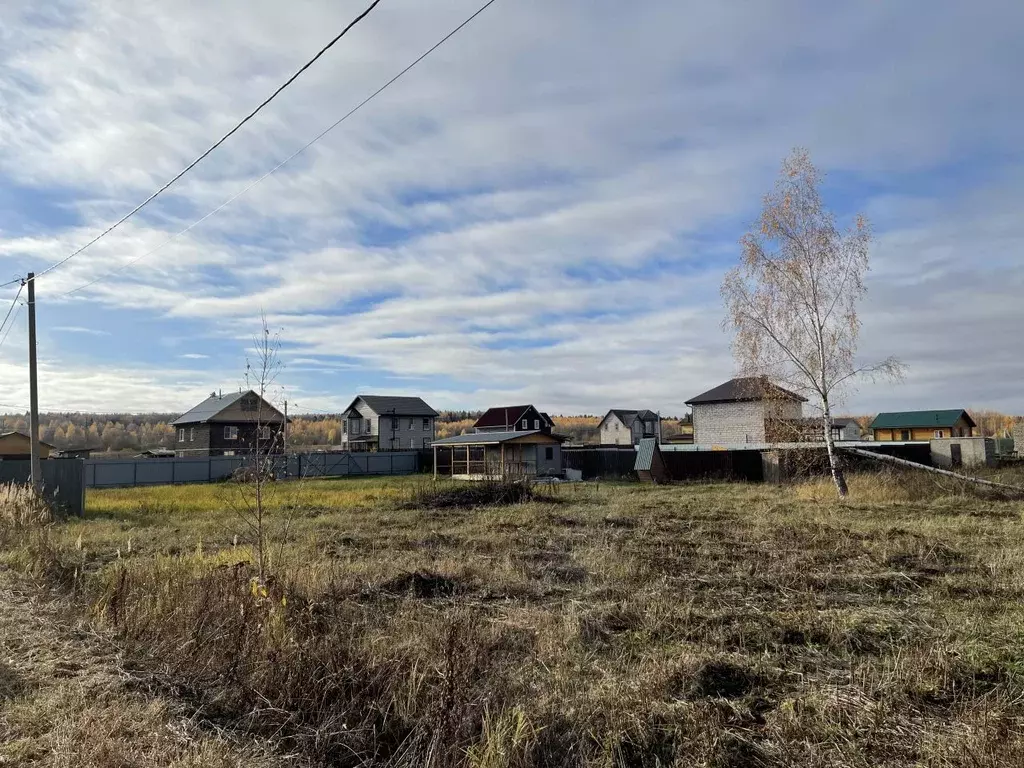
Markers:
(920, 419)
(645, 454)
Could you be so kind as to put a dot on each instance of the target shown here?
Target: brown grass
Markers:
(716, 625)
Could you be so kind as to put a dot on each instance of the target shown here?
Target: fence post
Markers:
(391, 456)
(174, 472)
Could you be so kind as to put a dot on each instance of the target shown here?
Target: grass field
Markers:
(599, 625)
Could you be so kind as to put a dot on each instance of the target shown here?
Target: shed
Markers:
(650, 465)
(481, 455)
(18, 445)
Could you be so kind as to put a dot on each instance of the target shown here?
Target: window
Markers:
(264, 433)
(526, 423)
(905, 435)
(230, 433)
(411, 421)
(181, 435)
(369, 426)
(549, 453)
(344, 427)
(426, 423)
(192, 435)
(939, 434)
(536, 423)
(426, 443)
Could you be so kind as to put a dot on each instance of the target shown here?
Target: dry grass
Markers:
(64, 701)
(619, 625)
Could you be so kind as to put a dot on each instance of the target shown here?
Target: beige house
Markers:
(625, 427)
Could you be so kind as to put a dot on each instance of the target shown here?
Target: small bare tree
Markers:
(792, 301)
(263, 445)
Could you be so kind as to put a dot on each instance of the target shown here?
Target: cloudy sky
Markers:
(542, 211)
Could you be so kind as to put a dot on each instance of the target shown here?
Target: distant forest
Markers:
(124, 432)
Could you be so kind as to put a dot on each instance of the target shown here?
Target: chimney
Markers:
(221, 394)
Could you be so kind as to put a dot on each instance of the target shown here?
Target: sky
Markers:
(542, 211)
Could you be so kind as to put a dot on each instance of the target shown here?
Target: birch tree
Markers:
(792, 301)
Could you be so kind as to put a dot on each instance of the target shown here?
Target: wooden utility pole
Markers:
(33, 389)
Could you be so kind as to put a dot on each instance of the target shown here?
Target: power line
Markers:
(300, 409)
(216, 144)
(7, 333)
(292, 156)
(11, 309)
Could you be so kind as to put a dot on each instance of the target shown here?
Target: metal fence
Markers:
(107, 473)
(63, 481)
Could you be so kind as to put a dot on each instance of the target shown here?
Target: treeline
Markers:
(120, 432)
(103, 431)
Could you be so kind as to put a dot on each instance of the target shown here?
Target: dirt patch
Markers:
(424, 585)
(11, 683)
(718, 679)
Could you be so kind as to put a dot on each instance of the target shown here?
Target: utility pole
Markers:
(33, 388)
(284, 431)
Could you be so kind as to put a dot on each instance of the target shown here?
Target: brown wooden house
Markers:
(233, 424)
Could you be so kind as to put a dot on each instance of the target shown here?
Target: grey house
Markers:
(743, 410)
(233, 424)
(386, 423)
(625, 427)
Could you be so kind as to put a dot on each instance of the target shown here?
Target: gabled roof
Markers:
(745, 389)
(507, 415)
(921, 419)
(493, 438)
(22, 434)
(214, 405)
(627, 416)
(387, 405)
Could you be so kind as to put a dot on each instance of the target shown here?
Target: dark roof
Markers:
(911, 419)
(745, 389)
(506, 415)
(491, 438)
(209, 409)
(627, 417)
(386, 405)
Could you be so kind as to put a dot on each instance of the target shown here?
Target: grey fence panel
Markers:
(63, 481)
(113, 473)
(153, 472)
(103, 473)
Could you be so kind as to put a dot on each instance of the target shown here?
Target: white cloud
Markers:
(194, 356)
(79, 329)
(543, 209)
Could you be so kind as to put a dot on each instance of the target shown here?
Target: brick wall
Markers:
(728, 423)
